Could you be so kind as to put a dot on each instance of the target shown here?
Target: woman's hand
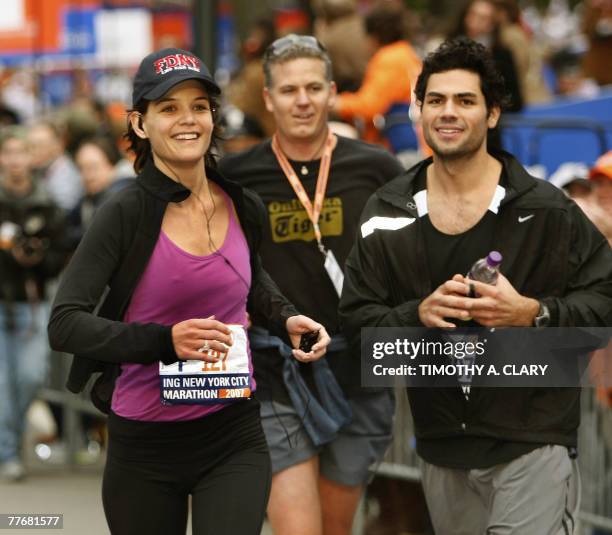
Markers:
(193, 339)
(299, 325)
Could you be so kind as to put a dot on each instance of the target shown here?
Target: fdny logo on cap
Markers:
(176, 62)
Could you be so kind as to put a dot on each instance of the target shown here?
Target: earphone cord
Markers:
(211, 244)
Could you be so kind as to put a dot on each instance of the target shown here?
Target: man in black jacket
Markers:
(495, 460)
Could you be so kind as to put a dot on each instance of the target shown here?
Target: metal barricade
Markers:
(72, 406)
(595, 460)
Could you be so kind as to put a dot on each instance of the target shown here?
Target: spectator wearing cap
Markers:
(573, 179)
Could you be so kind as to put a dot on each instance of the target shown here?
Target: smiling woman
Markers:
(178, 126)
(202, 105)
(179, 250)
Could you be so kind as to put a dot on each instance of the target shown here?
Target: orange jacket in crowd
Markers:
(389, 78)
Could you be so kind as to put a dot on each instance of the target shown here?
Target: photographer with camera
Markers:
(31, 253)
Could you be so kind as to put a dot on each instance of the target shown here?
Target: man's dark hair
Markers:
(385, 24)
(465, 54)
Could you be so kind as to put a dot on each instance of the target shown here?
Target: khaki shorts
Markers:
(346, 459)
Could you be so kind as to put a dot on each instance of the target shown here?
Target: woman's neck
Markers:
(187, 174)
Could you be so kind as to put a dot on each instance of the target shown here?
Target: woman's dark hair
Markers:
(105, 144)
(465, 54)
(458, 28)
(268, 31)
(142, 147)
(386, 24)
(513, 11)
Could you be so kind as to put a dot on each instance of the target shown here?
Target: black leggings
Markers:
(221, 460)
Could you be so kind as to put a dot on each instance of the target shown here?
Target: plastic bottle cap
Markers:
(494, 258)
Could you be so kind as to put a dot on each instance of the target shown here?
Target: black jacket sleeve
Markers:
(367, 295)
(588, 299)
(75, 328)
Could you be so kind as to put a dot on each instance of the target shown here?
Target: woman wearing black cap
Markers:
(178, 251)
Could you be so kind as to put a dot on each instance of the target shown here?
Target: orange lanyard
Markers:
(314, 212)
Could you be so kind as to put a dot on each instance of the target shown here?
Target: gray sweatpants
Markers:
(526, 496)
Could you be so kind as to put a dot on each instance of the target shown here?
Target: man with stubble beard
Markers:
(495, 460)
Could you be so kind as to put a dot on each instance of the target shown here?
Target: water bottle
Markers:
(486, 269)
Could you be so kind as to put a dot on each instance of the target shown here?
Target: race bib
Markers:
(190, 382)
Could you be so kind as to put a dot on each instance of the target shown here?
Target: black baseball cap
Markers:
(160, 71)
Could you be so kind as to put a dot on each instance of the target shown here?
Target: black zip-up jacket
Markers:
(114, 254)
(556, 256)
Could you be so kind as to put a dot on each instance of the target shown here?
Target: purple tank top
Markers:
(174, 287)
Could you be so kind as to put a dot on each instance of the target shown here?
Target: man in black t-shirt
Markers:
(320, 457)
(495, 459)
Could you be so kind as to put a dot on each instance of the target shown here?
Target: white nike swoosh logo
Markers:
(525, 218)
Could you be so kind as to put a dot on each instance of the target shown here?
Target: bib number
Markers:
(193, 382)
